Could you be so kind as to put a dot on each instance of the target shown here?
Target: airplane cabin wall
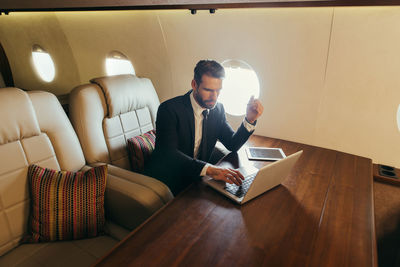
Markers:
(2, 83)
(328, 76)
(19, 31)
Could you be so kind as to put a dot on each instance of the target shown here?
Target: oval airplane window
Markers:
(398, 118)
(117, 63)
(240, 83)
(43, 63)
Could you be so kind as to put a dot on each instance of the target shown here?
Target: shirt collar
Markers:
(197, 109)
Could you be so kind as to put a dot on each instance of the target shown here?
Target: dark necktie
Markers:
(203, 144)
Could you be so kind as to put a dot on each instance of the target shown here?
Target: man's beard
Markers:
(202, 103)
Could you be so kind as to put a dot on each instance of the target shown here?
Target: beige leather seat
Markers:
(35, 129)
(109, 111)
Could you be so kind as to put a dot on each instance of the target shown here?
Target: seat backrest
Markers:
(33, 129)
(109, 111)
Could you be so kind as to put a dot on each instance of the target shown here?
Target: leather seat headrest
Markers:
(17, 116)
(125, 93)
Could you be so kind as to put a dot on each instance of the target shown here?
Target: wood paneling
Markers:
(321, 215)
(385, 179)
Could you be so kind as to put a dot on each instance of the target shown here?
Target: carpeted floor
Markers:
(387, 223)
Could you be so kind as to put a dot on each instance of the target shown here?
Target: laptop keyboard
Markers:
(241, 190)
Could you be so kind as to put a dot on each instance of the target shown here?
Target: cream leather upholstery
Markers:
(108, 112)
(105, 114)
(55, 123)
(21, 143)
(125, 93)
(35, 129)
(87, 109)
(18, 119)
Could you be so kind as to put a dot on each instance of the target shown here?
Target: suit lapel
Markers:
(190, 117)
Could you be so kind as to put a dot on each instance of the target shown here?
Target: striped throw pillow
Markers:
(140, 148)
(66, 205)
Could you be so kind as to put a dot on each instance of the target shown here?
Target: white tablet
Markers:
(265, 153)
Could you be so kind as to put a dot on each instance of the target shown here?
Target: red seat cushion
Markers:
(140, 148)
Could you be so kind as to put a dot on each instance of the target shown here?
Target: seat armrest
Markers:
(153, 184)
(115, 231)
(131, 198)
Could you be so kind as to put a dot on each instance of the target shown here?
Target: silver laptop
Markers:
(256, 181)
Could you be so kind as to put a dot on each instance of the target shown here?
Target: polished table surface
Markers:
(321, 215)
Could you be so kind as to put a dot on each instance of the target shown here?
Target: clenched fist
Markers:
(254, 110)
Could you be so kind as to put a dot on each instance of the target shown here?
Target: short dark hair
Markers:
(208, 67)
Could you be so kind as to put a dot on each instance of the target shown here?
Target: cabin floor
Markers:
(387, 223)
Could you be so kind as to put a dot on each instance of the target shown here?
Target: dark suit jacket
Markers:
(173, 154)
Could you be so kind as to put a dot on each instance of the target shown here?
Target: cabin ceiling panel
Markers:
(286, 47)
(19, 31)
(137, 34)
(59, 5)
(358, 111)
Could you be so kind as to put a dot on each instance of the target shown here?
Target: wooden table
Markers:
(322, 215)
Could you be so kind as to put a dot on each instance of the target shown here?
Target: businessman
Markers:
(188, 127)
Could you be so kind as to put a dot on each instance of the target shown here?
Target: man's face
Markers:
(206, 93)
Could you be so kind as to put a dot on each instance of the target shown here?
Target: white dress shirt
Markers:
(198, 129)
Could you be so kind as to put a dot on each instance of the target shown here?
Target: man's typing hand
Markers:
(254, 110)
(225, 174)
